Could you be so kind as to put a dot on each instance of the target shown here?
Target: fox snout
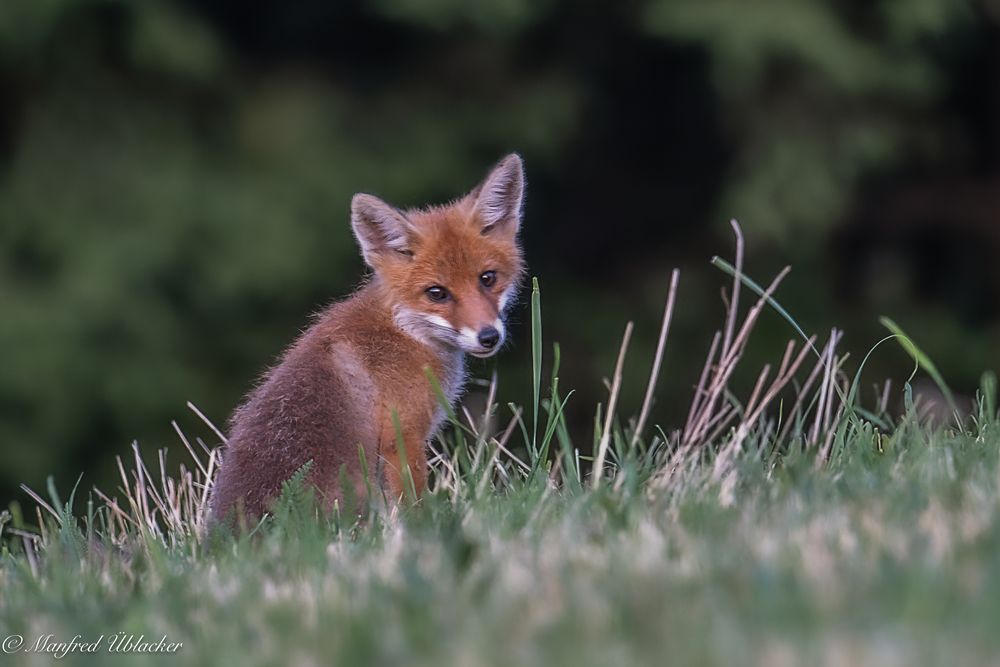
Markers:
(489, 337)
(484, 342)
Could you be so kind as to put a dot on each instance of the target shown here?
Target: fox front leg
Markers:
(404, 459)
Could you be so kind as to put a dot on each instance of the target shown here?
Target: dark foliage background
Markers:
(175, 180)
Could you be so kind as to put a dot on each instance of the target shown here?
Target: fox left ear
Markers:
(498, 198)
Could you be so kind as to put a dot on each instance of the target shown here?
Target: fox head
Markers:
(449, 272)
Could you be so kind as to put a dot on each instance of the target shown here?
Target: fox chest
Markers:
(423, 407)
(402, 386)
(452, 386)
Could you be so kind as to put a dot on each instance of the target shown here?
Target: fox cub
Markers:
(442, 278)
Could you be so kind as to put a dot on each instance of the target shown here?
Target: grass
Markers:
(793, 525)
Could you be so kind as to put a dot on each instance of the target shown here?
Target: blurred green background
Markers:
(175, 180)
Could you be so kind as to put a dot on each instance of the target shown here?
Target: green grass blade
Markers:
(988, 392)
(921, 359)
(760, 291)
(536, 358)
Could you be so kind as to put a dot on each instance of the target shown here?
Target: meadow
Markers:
(813, 519)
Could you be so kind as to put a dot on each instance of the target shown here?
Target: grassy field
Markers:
(793, 525)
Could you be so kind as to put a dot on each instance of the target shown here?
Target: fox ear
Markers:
(498, 198)
(381, 229)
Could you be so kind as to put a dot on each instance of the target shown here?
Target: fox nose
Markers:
(489, 337)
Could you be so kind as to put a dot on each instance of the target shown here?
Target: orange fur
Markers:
(336, 389)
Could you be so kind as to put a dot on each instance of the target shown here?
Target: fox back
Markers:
(442, 279)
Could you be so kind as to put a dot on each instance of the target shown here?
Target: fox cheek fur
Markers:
(442, 280)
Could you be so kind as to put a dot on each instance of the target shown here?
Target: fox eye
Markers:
(436, 293)
(488, 278)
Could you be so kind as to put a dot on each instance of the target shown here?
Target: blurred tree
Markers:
(818, 94)
(167, 218)
(175, 176)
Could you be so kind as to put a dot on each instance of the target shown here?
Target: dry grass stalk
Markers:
(616, 383)
(654, 374)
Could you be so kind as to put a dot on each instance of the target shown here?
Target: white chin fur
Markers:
(505, 299)
(428, 329)
(499, 326)
(424, 328)
(468, 340)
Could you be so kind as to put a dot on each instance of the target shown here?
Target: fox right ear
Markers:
(381, 229)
